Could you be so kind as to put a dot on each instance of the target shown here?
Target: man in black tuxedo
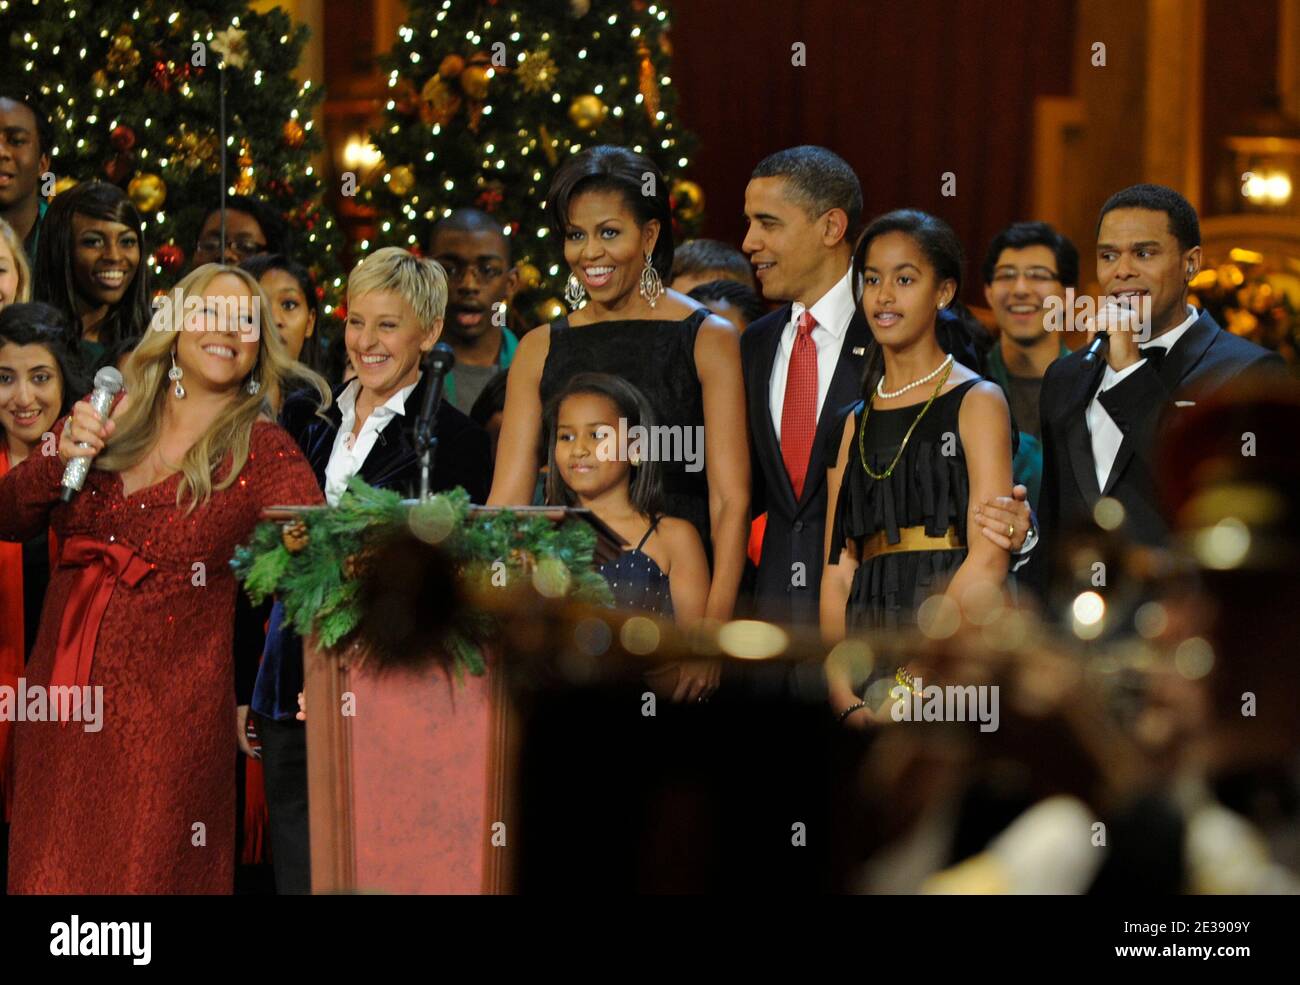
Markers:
(803, 363)
(1101, 419)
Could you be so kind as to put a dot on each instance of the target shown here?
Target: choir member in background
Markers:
(295, 308)
(15, 274)
(481, 280)
(700, 261)
(929, 440)
(91, 266)
(396, 302)
(732, 300)
(143, 800)
(618, 244)
(39, 380)
(26, 139)
(1028, 266)
(252, 227)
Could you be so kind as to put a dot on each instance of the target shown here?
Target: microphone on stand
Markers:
(439, 363)
(108, 384)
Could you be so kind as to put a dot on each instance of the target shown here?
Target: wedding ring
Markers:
(1011, 530)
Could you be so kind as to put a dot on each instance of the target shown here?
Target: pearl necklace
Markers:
(880, 387)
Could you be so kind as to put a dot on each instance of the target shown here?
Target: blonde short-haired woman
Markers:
(136, 793)
(15, 274)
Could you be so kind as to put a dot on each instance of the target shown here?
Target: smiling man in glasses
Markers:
(1027, 264)
(475, 253)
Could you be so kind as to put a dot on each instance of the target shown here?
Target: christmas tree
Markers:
(487, 97)
(134, 94)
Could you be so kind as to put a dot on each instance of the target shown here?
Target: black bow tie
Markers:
(1155, 354)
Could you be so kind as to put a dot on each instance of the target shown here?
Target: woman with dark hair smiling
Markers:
(252, 228)
(295, 309)
(610, 207)
(39, 380)
(90, 265)
(929, 441)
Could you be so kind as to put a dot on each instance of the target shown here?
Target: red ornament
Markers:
(489, 199)
(320, 292)
(171, 257)
(160, 76)
(121, 138)
(119, 168)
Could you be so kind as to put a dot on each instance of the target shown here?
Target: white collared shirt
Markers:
(1105, 433)
(833, 311)
(349, 453)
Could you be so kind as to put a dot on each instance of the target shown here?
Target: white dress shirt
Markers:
(1105, 433)
(349, 454)
(833, 312)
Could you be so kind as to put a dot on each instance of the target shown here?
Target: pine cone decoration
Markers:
(295, 536)
(526, 561)
(354, 566)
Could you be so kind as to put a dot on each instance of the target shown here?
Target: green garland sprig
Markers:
(318, 582)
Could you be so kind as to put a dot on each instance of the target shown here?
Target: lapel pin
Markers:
(859, 350)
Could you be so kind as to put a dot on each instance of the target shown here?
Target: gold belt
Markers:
(909, 539)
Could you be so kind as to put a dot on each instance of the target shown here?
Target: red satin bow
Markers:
(103, 566)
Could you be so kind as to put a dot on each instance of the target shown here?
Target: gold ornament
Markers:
(689, 198)
(451, 66)
(648, 86)
(401, 180)
(122, 56)
(474, 81)
(538, 73)
(588, 112)
(63, 184)
(552, 309)
(147, 192)
(99, 79)
(294, 134)
(295, 536)
(245, 183)
(438, 102)
(529, 276)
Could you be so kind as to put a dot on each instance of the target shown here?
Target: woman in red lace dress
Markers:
(141, 797)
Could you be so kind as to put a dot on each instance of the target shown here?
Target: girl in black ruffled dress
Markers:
(930, 439)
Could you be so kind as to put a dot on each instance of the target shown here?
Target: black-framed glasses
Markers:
(486, 269)
(245, 246)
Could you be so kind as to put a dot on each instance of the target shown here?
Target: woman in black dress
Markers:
(930, 440)
(610, 206)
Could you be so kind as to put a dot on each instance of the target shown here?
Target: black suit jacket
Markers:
(795, 529)
(464, 454)
(1201, 362)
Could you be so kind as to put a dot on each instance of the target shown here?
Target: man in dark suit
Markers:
(1101, 419)
(803, 364)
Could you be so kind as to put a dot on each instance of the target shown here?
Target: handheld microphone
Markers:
(1097, 349)
(108, 384)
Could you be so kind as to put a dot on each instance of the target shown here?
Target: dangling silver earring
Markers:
(574, 293)
(252, 387)
(652, 285)
(174, 374)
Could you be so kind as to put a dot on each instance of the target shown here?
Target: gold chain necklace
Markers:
(862, 434)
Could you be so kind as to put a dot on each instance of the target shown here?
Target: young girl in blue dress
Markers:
(666, 573)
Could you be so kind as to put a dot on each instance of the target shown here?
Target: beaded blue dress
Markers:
(637, 581)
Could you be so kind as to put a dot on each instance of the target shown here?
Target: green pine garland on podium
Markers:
(394, 576)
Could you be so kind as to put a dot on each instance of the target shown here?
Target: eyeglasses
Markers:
(1041, 275)
(485, 269)
(245, 246)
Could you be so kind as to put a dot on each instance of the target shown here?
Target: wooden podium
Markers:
(410, 774)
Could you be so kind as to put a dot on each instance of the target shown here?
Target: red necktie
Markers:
(799, 412)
